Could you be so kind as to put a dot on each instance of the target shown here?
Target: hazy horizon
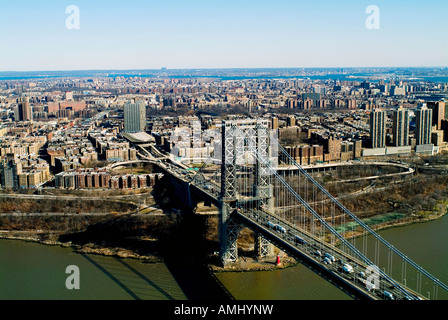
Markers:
(228, 68)
(199, 34)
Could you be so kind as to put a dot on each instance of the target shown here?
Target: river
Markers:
(35, 271)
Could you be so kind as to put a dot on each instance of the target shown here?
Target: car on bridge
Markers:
(347, 268)
(298, 240)
(388, 295)
(331, 257)
(270, 225)
(280, 229)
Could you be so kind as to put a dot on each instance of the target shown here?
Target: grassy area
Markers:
(440, 209)
(377, 219)
(63, 205)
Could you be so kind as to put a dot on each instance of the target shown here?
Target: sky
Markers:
(193, 34)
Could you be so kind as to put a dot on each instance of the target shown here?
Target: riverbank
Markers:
(154, 254)
(419, 217)
(247, 264)
(123, 236)
(30, 236)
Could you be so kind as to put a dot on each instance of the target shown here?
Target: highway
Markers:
(364, 279)
(70, 197)
(315, 249)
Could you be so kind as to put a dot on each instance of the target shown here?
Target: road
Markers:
(315, 249)
(70, 197)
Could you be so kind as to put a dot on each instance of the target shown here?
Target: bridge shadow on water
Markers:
(197, 281)
(144, 278)
(111, 276)
(192, 277)
(122, 277)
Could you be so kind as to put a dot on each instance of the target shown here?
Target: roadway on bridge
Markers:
(310, 247)
(314, 250)
(287, 236)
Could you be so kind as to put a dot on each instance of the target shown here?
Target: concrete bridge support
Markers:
(229, 228)
(183, 194)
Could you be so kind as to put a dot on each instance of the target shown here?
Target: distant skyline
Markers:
(199, 34)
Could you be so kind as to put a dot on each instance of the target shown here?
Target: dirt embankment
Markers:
(185, 238)
(138, 235)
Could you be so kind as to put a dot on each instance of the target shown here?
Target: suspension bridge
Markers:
(292, 211)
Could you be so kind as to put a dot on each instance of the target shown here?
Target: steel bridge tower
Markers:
(236, 154)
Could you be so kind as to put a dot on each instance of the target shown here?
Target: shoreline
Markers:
(246, 264)
(402, 222)
(86, 249)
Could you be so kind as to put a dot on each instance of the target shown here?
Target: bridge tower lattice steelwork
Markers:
(235, 154)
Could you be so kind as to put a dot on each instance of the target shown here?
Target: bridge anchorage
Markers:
(291, 210)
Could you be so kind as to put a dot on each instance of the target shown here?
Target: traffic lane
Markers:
(312, 245)
(330, 269)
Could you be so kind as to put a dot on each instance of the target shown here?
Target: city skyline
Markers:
(223, 35)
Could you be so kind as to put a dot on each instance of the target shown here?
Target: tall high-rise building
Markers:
(134, 116)
(313, 96)
(23, 109)
(290, 121)
(400, 127)
(438, 112)
(10, 168)
(378, 128)
(423, 125)
(69, 96)
(274, 123)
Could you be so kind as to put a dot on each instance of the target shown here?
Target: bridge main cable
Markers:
(329, 227)
(365, 226)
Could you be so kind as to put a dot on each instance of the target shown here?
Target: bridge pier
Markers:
(229, 228)
(183, 194)
(263, 248)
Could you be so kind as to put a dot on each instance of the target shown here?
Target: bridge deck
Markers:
(353, 282)
(311, 252)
